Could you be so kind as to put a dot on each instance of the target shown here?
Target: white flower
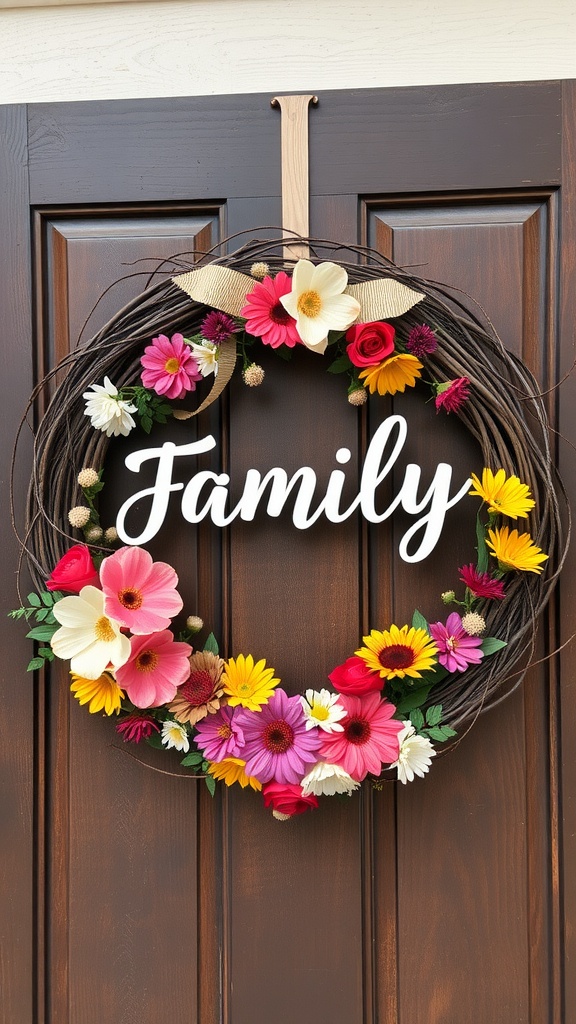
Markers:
(321, 709)
(416, 753)
(317, 304)
(327, 780)
(107, 411)
(175, 735)
(206, 355)
(87, 636)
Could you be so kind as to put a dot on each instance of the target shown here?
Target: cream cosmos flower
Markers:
(107, 411)
(327, 780)
(87, 636)
(206, 356)
(416, 753)
(317, 304)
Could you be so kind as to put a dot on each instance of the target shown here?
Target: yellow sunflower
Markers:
(103, 693)
(515, 550)
(392, 375)
(506, 495)
(404, 651)
(248, 684)
(231, 770)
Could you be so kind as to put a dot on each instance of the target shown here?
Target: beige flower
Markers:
(201, 694)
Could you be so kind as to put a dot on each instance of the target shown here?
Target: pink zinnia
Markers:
(277, 744)
(217, 327)
(452, 396)
(135, 728)
(369, 740)
(169, 367)
(456, 649)
(482, 584)
(157, 666)
(219, 736)
(422, 341)
(265, 315)
(139, 593)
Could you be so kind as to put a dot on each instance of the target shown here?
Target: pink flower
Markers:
(157, 666)
(217, 327)
(369, 740)
(74, 571)
(456, 650)
(219, 736)
(422, 341)
(482, 584)
(169, 367)
(277, 744)
(287, 800)
(135, 728)
(452, 395)
(265, 315)
(354, 677)
(139, 593)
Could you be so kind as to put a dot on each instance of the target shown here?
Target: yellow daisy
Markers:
(404, 651)
(248, 684)
(103, 693)
(392, 375)
(231, 770)
(515, 550)
(506, 495)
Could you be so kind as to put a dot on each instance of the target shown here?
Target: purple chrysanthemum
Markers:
(456, 649)
(421, 341)
(219, 736)
(217, 327)
(482, 584)
(452, 395)
(277, 744)
(136, 727)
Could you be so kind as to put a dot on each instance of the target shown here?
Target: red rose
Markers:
(355, 678)
(287, 799)
(74, 571)
(370, 343)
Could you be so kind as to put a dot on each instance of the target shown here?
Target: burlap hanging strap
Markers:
(226, 364)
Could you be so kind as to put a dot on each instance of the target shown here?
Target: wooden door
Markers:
(133, 895)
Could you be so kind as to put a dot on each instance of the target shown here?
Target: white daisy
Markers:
(107, 411)
(175, 735)
(317, 304)
(321, 709)
(327, 780)
(87, 636)
(206, 355)
(416, 753)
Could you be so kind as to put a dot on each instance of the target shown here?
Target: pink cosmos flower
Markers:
(452, 395)
(482, 584)
(217, 327)
(138, 593)
(456, 649)
(169, 367)
(265, 315)
(219, 736)
(135, 728)
(370, 737)
(277, 744)
(157, 666)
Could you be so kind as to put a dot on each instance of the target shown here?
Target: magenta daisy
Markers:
(217, 327)
(219, 736)
(456, 649)
(421, 341)
(452, 395)
(482, 584)
(139, 593)
(370, 737)
(265, 315)
(277, 744)
(157, 666)
(169, 367)
(135, 727)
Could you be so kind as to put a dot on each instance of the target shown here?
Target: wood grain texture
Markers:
(294, 154)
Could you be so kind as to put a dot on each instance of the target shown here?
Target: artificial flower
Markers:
(415, 755)
(277, 744)
(322, 710)
(422, 341)
(515, 550)
(87, 477)
(357, 396)
(103, 693)
(317, 304)
(474, 624)
(253, 375)
(87, 636)
(248, 684)
(354, 677)
(452, 395)
(139, 593)
(157, 665)
(201, 693)
(505, 495)
(482, 584)
(107, 411)
(206, 356)
(74, 571)
(79, 516)
(399, 652)
(169, 367)
(456, 648)
(370, 343)
(136, 727)
(266, 317)
(392, 375)
(219, 736)
(232, 770)
(369, 739)
(326, 779)
(287, 800)
(175, 735)
(217, 327)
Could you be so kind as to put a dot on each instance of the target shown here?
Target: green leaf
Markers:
(34, 600)
(491, 644)
(36, 663)
(155, 740)
(191, 759)
(284, 353)
(43, 632)
(440, 733)
(210, 784)
(47, 653)
(42, 614)
(418, 621)
(413, 700)
(434, 676)
(483, 553)
(340, 365)
(211, 644)
(47, 598)
(434, 715)
(417, 719)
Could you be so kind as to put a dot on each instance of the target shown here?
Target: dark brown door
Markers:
(133, 895)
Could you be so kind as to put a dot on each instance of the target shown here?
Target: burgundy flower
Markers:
(217, 327)
(452, 395)
(136, 727)
(422, 341)
(482, 584)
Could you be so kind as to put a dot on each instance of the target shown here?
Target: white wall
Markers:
(196, 47)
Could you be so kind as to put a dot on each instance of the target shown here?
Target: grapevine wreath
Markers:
(116, 616)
